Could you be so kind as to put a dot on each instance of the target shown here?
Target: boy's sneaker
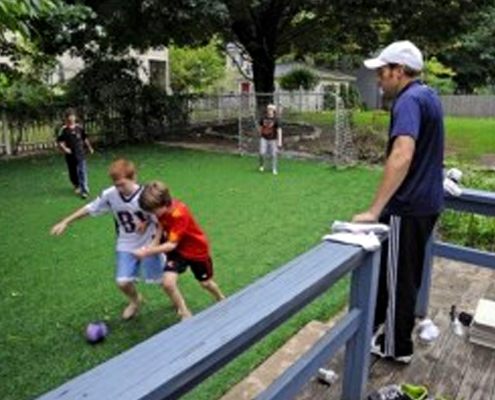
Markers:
(84, 195)
(377, 343)
(261, 169)
(391, 392)
(400, 392)
(415, 392)
(275, 172)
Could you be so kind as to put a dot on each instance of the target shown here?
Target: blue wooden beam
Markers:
(171, 363)
(298, 374)
(472, 201)
(464, 254)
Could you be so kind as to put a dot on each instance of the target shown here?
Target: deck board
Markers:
(451, 366)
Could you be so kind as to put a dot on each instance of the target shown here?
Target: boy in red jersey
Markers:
(186, 244)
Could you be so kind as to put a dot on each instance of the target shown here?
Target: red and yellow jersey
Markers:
(180, 227)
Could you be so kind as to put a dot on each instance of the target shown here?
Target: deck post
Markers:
(364, 285)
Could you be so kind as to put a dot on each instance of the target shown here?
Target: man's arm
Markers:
(60, 226)
(396, 168)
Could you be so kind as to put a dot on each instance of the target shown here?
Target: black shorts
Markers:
(202, 270)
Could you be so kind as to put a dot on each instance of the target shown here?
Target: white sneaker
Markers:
(275, 172)
(327, 375)
(428, 332)
(261, 169)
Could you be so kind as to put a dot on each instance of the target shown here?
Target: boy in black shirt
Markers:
(71, 140)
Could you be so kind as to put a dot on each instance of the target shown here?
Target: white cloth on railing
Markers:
(451, 182)
(359, 227)
(360, 234)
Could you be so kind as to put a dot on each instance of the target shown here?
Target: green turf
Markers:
(53, 286)
(466, 139)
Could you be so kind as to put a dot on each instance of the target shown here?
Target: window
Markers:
(158, 73)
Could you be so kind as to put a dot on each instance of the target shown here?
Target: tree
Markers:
(16, 14)
(439, 77)
(268, 29)
(19, 17)
(195, 69)
(22, 33)
(472, 56)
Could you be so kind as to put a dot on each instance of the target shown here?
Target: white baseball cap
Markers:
(402, 52)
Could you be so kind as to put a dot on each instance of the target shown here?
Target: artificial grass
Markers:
(54, 286)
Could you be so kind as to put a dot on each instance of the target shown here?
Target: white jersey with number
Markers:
(127, 215)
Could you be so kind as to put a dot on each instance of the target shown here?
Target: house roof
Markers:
(282, 69)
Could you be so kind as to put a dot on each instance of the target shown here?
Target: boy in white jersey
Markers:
(135, 229)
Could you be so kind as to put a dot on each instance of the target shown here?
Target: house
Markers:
(239, 68)
(153, 67)
(368, 88)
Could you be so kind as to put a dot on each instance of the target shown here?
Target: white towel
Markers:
(368, 241)
(355, 227)
(451, 187)
(360, 234)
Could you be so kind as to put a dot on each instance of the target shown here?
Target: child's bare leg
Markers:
(171, 288)
(129, 289)
(211, 286)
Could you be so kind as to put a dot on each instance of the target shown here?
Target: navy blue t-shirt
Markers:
(417, 112)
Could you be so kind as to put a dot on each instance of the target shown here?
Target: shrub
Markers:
(299, 78)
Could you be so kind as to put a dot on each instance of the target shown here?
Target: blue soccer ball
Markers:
(96, 332)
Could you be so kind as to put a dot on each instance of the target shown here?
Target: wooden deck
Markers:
(451, 366)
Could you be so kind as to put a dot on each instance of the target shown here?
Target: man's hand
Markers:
(366, 216)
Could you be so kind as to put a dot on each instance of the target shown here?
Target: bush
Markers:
(370, 144)
(468, 229)
(299, 78)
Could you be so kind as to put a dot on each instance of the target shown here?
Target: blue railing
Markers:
(176, 360)
(470, 201)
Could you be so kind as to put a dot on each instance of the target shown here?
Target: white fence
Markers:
(240, 109)
(469, 106)
(234, 105)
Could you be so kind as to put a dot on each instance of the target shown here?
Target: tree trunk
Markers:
(264, 80)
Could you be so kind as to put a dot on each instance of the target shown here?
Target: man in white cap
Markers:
(409, 196)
